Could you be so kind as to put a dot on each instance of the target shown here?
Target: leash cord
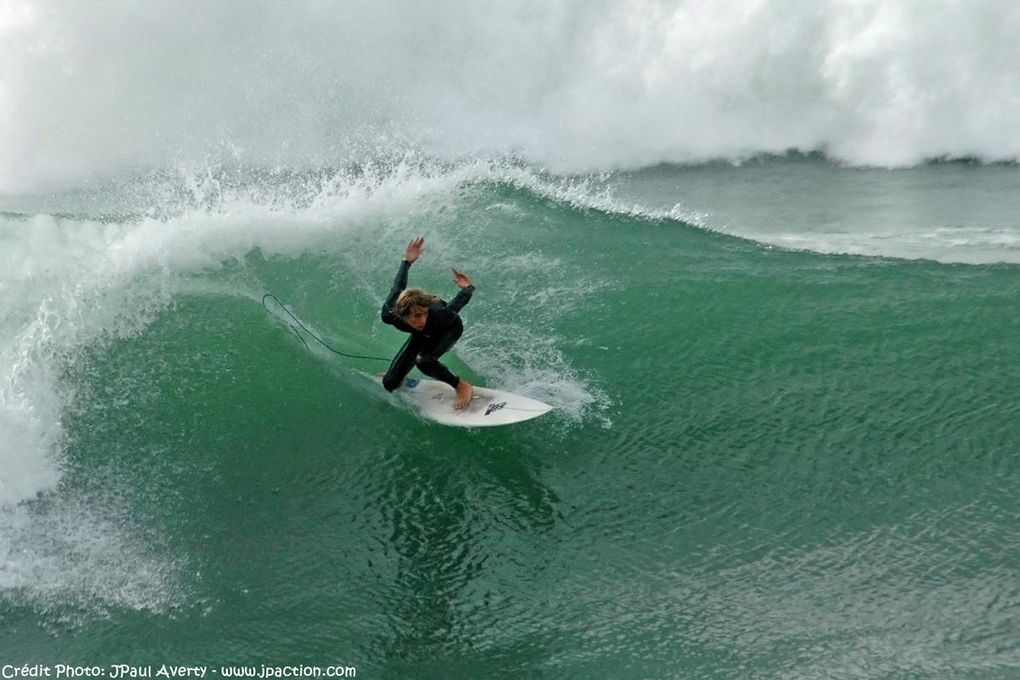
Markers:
(305, 329)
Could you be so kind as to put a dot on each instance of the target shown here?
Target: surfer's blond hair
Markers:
(413, 297)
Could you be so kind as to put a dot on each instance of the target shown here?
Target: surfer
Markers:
(433, 324)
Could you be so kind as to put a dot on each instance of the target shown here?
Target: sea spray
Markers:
(571, 86)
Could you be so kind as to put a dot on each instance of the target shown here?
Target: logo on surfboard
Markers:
(494, 406)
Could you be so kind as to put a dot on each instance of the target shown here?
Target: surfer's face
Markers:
(417, 317)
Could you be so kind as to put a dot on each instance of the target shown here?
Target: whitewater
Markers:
(570, 86)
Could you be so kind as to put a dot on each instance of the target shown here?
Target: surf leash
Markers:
(317, 338)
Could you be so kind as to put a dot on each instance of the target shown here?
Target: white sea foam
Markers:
(569, 85)
(520, 360)
(70, 556)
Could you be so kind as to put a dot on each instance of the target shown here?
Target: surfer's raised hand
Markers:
(413, 249)
(461, 279)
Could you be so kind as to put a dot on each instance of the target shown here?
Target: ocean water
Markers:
(762, 261)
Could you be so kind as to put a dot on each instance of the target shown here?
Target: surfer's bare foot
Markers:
(464, 394)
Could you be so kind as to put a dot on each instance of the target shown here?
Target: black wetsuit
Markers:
(442, 329)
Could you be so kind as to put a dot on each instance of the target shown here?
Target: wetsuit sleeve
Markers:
(461, 299)
(389, 315)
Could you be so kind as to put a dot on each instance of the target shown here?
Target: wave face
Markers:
(572, 86)
(753, 449)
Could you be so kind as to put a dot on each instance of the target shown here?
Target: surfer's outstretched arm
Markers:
(389, 314)
(411, 253)
(464, 389)
(466, 289)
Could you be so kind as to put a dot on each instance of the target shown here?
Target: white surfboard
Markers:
(434, 400)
